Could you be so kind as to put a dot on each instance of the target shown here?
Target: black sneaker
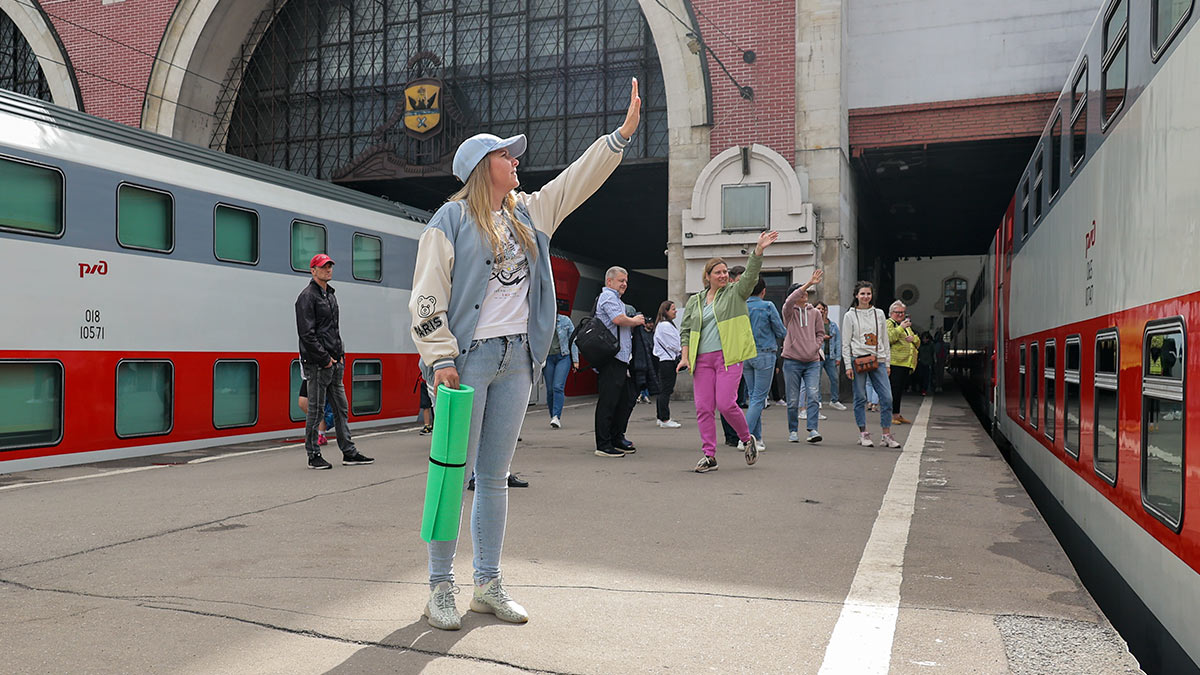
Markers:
(626, 446)
(425, 430)
(356, 458)
(609, 452)
(515, 481)
(318, 462)
(471, 483)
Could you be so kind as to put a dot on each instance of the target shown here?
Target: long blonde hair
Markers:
(476, 196)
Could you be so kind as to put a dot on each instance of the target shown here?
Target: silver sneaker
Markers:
(837, 405)
(793, 437)
(440, 611)
(491, 598)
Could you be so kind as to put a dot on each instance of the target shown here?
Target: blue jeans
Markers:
(831, 371)
(555, 373)
(757, 372)
(806, 374)
(501, 372)
(883, 389)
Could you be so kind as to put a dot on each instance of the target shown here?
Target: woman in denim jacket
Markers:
(559, 363)
(490, 245)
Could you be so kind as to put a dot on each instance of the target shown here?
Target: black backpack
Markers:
(596, 342)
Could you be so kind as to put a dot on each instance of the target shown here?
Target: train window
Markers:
(295, 412)
(235, 234)
(1079, 118)
(145, 219)
(145, 398)
(1034, 381)
(31, 404)
(1115, 64)
(1106, 407)
(1024, 208)
(308, 239)
(235, 394)
(368, 258)
(1037, 186)
(1021, 386)
(1056, 155)
(1072, 402)
(366, 392)
(33, 198)
(1050, 416)
(1169, 16)
(1163, 362)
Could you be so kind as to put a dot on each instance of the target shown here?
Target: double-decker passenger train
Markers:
(150, 289)
(1079, 328)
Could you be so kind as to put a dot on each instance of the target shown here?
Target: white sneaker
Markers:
(803, 414)
(837, 405)
(762, 445)
(864, 439)
(491, 598)
(766, 404)
(820, 405)
(555, 423)
(669, 424)
(813, 436)
(890, 442)
(821, 416)
(793, 437)
(440, 610)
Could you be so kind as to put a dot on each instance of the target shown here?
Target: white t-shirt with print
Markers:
(505, 307)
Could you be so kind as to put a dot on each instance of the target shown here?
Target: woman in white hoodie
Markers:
(864, 334)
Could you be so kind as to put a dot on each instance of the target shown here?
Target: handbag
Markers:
(865, 364)
(596, 342)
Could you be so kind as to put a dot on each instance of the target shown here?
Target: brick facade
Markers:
(768, 28)
(949, 121)
(112, 46)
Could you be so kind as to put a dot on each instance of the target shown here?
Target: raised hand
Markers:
(817, 275)
(634, 115)
(765, 239)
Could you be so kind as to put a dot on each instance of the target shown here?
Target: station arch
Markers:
(27, 38)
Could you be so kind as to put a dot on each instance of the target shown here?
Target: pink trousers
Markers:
(716, 388)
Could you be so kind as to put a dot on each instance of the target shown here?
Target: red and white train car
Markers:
(1093, 290)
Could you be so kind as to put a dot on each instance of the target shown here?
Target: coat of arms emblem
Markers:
(423, 107)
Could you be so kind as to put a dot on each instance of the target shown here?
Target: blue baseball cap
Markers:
(474, 149)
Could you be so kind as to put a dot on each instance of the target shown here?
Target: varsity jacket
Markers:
(453, 255)
(733, 320)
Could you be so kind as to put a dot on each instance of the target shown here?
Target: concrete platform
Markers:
(828, 558)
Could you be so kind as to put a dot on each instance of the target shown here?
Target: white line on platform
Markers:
(862, 639)
(90, 475)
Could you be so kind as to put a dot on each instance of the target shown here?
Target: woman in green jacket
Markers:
(716, 337)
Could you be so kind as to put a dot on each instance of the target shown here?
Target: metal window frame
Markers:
(257, 233)
(1109, 56)
(352, 261)
(292, 241)
(366, 378)
(1035, 381)
(257, 393)
(170, 393)
(1071, 376)
(1049, 375)
(145, 188)
(767, 205)
(1157, 50)
(21, 48)
(62, 194)
(1078, 109)
(1038, 183)
(62, 403)
(1169, 390)
(1023, 394)
(1108, 382)
(1026, 224)
(1056, 140)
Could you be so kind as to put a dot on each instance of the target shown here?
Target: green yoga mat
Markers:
(447, 463)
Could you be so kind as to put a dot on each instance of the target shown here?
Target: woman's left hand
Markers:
(764, 240)
(634, 115)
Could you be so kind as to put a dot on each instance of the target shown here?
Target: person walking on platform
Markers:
(667, 351)
(323, 359)
(560, 362)
(716, 338)
(867, 355)
(614, 382)
(731, 437)
(833, 358)
(758, 372)
(905, 345)
(483, 315)
(802, 359)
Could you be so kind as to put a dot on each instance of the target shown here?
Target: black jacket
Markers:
(643, 366)
(317, 325)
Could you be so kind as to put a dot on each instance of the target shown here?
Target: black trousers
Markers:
(615, 404)
(666, 383)
(899, 379)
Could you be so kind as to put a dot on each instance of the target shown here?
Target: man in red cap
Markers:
(323, 358)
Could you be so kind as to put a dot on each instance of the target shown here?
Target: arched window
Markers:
(19, 68)
(326, 82)
(954, 295)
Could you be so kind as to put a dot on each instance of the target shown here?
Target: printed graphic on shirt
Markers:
(511, 267)
(870, 339)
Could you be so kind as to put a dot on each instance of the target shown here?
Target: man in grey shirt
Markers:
(614, 383)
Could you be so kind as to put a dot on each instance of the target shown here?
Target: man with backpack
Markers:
(616, 389)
